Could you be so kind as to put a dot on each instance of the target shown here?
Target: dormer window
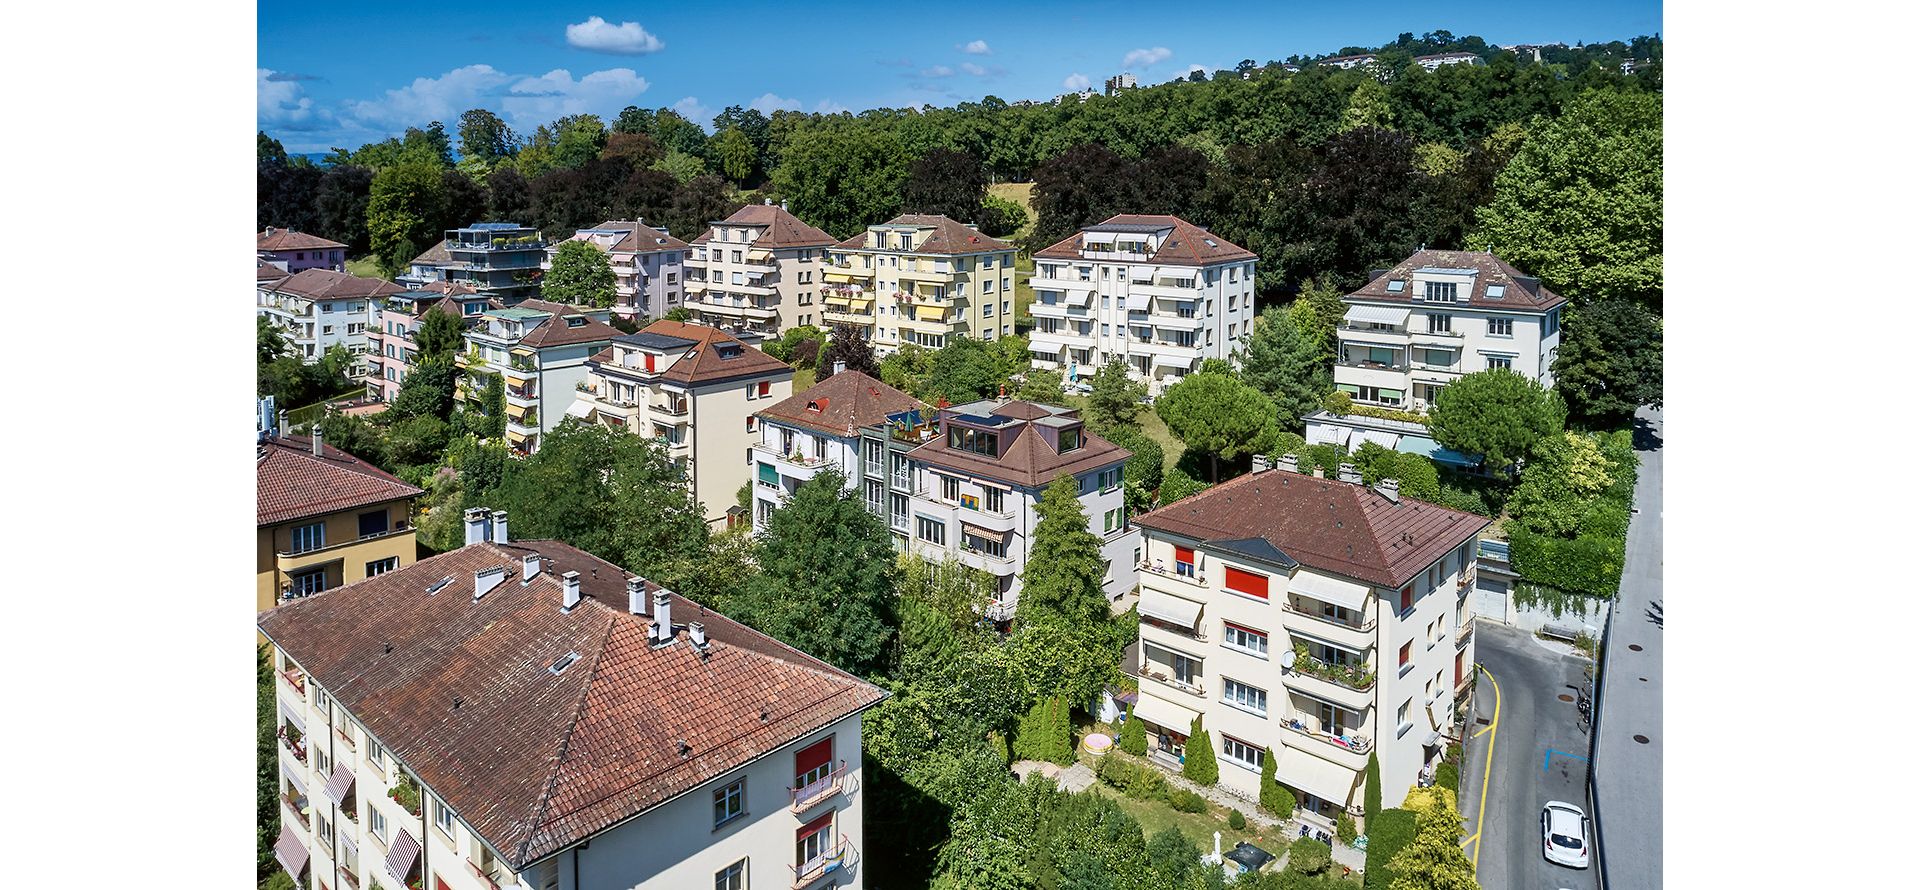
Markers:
(1396, 286)
(575, 321)
(962, 438)
(1070, 440)
(1441, 291)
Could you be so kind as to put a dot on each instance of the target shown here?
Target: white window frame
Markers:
(1255, 760)
(733, 877)
(729, 803)
(312, 535)
(1243, 640)
(1242, 696)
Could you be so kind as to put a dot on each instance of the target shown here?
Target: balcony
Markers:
(297, 804)
(1348, 750)
(1166, 289)
(1157, 672)
(1494, 552)
(807, 874)
(295, 678)
(1348, 687)
(1177, 322)
(1160, 570)
(1056, 310)
(1307, 619)
(1376, 374)
(528, 423)
(1463, 636)
(1348, 332)
(672, 408)
(521, 398)
(1163, 349)
(807, 796)
(1448, 338)
(493, 877)
(728, 310)
(292, 740)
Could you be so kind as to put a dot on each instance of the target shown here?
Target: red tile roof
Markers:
(783, 229)
(1523, 293)
(556, 332)
(1186, 245)
(436, 255)
(326, 284)
(1331, 526)
(948, 236)
(278, 239)
(711, 359)
(461, 691)
(265, 272)
(294, 484)
(841, 404)
(1028, 460)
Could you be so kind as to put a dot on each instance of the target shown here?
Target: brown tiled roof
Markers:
(1186, 245)
(1523, 293)
(642, 238)
(948, 236)
(841, 404)
(264, 271)
(705, 363)
(461, 691)
(436, 255)
(276, 239)
(1028, 460)
(326, 284)
(294, 484)
(1331, 526)
(556, 332)
(783, 228)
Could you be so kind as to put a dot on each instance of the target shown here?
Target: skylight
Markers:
(1496, 291)
(1394, 287)
(563, 662)
(437, 586)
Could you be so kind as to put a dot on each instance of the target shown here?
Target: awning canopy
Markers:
(298, 722)
(582, 410)
(402, 855)
(1138, 302)
(1318, 434)
(1379, 437)
(516, 437)
(1163, 713)
(1345, 594)
(1377, 315)
(291, 854)
(1177, 362)
(1172, 610)
(1320, 778)
(293, 778)
(985, 534)
(1411, 444)
(340, 785)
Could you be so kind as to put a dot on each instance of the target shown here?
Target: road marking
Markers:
(1480, 819)
(1544, 761)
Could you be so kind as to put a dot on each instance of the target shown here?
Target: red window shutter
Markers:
(649, 356)
(766, 388)
(816, 754)
(1245, 582)
(1406, 652)
(815, 827)
(1183, 554)
(1406, 598)
(1245, 629)
(439, 883)
(1458, 659)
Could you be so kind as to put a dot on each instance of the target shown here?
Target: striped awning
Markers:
(1378, 315)
(340, 784)
(1389, 441)
(984, 534)
(402, 855)
(291, 854)
(1345, 594)
(1318, 434)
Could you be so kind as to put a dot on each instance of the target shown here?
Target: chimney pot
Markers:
(499, 526)
(1262, 463)
(1349, 473)
(839, 366)
(697, 632)
(529, 567)
(637, 595)
(663, 615)
(476, 525)
(569, 590)
(1390, 488)
(1319, 472)
(317, 450)
(1290, 463)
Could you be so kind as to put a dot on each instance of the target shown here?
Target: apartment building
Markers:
(317, 309)
(1314, 620)
(649, 266)
(396, 320)
(522, 714)
(299, 251)
(921, 279)
(1155, 291)
(326, 519)
(428, 268)
(695, 388)
(758, 270)
(849, 421)
(540, 350)
(267, 272)
(980, 473)
(1440, 60)
(1345, 62)
(497, 259)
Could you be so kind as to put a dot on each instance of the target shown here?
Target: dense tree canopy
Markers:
(826, 582)
(406, 205)
(1497, 413)
(1609, 362)
(582, 275)
(945, 182)
(1216, 414)
(1281, 362)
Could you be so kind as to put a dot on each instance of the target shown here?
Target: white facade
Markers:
(759, 270)
(793, 827)
(787, 455)
(540, 382)
(1400, 354)
(311, 327)
(649, 267)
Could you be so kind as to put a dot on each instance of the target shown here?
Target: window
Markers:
(765, 388)
(1245, 639)
(812, 842)
(1242, 696)
(373, 523)
(986, 287)
(1500, 361)
(1069, 440)
(986, 311)
(377, 823)
(376, 757)
(1183, 562)
(1499, 327)
(1552, 324)
(1109, 479)
(1441, 291)
(813, 764)
(963, 438)
(309, 537)
(1433, 576)
(443, 817)
(1440, 357)
(1406, 598)
(1406, 653)
(382, 566)
(733, 877)
(1247, 583)
(1116, 518)
(309, 583)
(1240, 753)
(1438, 323)
(1394, 287)
(949, 489)
(729, 802)
(995, 500)
(932, 531)
(1405, 712)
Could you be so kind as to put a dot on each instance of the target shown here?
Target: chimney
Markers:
(317, 450)
(1389, 488)
(839, 366)
(1349, 473)
(783, 203)
(487, 579)
(1319, 472)
(1262, 463)
(697, 632)
(476, 525)
(637, 595)
(662, 616)
(1290, 463)
(569, 591)
(499, 526)
(286, 429)
(269, 231)
(529, 567)
(767, 201)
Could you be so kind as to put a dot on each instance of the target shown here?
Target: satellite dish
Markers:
(1286, 659)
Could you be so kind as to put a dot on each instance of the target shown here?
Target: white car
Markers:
(1563, 834)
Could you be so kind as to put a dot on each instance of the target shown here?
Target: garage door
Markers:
(1490, 599)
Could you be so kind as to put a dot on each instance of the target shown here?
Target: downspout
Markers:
(693, 454)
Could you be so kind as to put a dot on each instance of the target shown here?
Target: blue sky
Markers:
(349, 72)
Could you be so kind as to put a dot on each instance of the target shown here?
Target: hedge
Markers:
(1308, 856)
(1187, 801)
(1589, 564)
(1133, 735)
(1387, 834)
(1447, 775)
(1131, 779)
(1373, 788)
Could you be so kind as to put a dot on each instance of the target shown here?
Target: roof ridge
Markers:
(544, 802)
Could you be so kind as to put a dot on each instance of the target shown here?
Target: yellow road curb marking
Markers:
(1480, 820)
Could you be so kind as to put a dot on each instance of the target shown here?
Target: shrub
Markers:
(1387, 833)
(1344, 830)
(1338, 403)
(1133, 780)
(1309, 856)
(1044, 733)
(1373, 789)
(280, 880)
(997, 743)
(1133, 735)
(1274, 797)
(1447, 775)
(1236, 820)
(1200, 767)
(1187, 801)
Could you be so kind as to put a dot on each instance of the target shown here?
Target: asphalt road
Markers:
(1539, 753)
(1628, 750)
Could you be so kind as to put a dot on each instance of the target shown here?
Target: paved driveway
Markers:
(1538, 754)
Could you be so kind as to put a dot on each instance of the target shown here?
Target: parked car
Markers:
(1563, 834)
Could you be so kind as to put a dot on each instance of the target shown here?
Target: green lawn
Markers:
(1022, 293)
(803, 379)
(1020, 193)
(364, 267)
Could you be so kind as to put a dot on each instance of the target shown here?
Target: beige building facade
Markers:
(921, 279)
(326, 519)
(758, 270)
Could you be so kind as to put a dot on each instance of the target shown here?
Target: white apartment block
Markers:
(694, 388)
(758, 270)
(540, 350)
(317, 309)
(920, 279)
(1440, 60)
(1158, 292)
(525, 715)
(849, 421)
(649, 266)
(979, 474)
(1314, 620)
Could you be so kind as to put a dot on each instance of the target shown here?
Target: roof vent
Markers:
(439, 585)
(563, 662)
(486, 580)
(569, 591)
(685, 748)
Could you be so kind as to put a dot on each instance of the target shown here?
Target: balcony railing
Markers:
(1191, 633)
(674, 409)
(296, 679)
(1372, 366)
(295, 744)
(490, 877)
(1355, 677)
(294, 803)
(828, 862)
(1361, 626)
(1495, 551)
(1464, 637)
(1162, 570)
(1306, 726)
(1196, 686)
(805, 796)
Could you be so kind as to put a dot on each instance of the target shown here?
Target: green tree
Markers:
(427, 390)
(1045, 733)
(1199, 765)
(1579, 205)
(1040, 385)
(1316, 312)
(1146, 467)
(484, 135)
(679, 313)
(735, 153)
(1373, 790)
(1308, 856)
(826, 583)
(440, 333)
(580, 138)
(1274, 797)
(683, 167)
(582, 275)
(1116, 398)
(848, 343)
(1610, 362)
(1216, 414)
(1367, 106)
(962, 371)
(1565, 475)
(1284, 365)
(945, 182)
(266, 768)
(1497, 413)
(842, 179)
(1133, 735)
(1433, 860)
(1062, 583)
(405, 206)
(1001, 218)
(1179, 484)
(268, 344)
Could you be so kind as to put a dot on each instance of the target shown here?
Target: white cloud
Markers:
(691, 109)
(938, 71)
(1146, 58)
(973, 69)
(828, 106)
(525, 101)
(976, 48)
(1076, 81)
(601, 36)
(539, 99)
(769, 103)
(283, 102)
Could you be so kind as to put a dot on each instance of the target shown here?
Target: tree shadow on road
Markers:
(1657, 615)
(1644, 438)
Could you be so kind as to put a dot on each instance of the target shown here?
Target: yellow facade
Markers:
(344, 555)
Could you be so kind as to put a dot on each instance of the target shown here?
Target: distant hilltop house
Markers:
(1082, 95)
(1121, 81)
(1344, 62)
(1532, 50)
(297, 251)
(1631, 65)
(1439, 60)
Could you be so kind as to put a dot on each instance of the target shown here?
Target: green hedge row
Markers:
(1590, 563)
(1387, 833)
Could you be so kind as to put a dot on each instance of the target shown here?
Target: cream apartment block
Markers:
(520, 714)
(1157, 292)
(317, 309)
(695, 388)
(849, 421)
(1309, 619)
(921, 279)
(980, 473)
(758, 270)
(540, 350)
(649, 266)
